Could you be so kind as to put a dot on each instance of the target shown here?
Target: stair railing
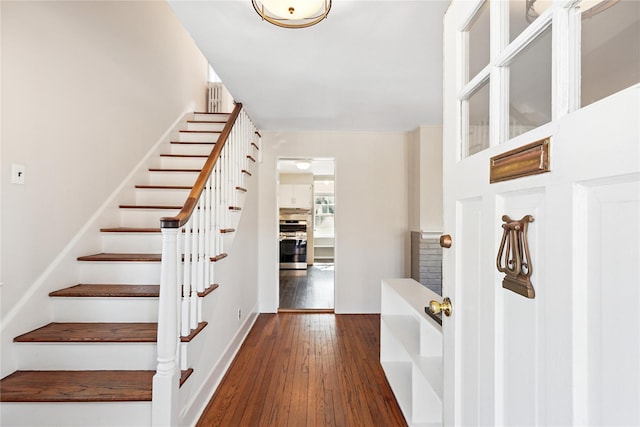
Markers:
(191, 243)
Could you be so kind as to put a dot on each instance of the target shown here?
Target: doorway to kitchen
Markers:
(306, 241)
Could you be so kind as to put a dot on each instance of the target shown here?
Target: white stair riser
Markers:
(191, 148)
(197, 137)
(211, 117)
(172, 178)
(145, 217)
(206, 126)
(113, 309)
(81, 414)
(132, 242)
(158, 196)
(139, 242)
(182, 162)
(134, 273)
(87, 356)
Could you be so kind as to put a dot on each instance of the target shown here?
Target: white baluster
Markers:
(187, 277)
(190, 263)
(208, 224)
(218, 212)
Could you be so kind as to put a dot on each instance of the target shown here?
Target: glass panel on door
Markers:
(522, 13)
(530, 86)
(476, 138)
(478, 54)
(610, 40)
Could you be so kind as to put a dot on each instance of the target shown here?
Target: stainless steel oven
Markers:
(293, 244)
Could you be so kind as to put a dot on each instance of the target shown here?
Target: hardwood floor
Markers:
(306, 370)
(307, 289)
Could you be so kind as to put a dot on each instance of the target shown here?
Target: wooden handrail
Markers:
(192, 200)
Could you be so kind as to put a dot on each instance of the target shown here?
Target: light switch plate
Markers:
(17, 174)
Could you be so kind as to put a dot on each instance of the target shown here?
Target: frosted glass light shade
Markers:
(292, 13)
(293, 9)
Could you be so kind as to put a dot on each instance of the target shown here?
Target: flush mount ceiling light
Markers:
(303, 165)
(292, 13)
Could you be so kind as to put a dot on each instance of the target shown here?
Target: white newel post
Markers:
(166, 380)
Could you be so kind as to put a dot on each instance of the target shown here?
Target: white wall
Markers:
(425, 179)
(431, 178)
(372, 216)
(87, 89)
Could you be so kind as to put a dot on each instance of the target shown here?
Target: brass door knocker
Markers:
(513, 256)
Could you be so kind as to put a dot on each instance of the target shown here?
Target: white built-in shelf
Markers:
(411, 351)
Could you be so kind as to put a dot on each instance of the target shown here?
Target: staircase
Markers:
(99, 355)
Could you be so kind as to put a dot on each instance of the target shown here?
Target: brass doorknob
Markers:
(435, 307)
(445, 241)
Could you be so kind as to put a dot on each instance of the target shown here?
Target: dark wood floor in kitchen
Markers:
(301, 370)
(307, 289)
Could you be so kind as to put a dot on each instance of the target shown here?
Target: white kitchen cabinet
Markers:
(411, 350)
(295, 196)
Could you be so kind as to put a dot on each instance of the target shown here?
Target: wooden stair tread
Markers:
(194, 332)
(198, 156)
(130, 230)
(243, 190)
(150, 207)
(77, 386)
(193, 142)
(147, 230)
(107, 291)
(207, 121)
(92, 332)
(208, 290)
(99, 332)
(80, 386)
(218, 257)
(122, 257)
(200, 131)
(174, 170)
(165, 187)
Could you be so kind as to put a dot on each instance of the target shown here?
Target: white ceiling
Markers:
(370, 66)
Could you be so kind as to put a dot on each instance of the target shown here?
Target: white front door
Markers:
(571, 354)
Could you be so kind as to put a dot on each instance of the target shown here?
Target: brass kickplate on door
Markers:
(530, 159)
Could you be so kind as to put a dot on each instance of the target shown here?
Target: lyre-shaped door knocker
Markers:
(513, 256)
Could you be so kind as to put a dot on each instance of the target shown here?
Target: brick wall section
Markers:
(426, 261)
